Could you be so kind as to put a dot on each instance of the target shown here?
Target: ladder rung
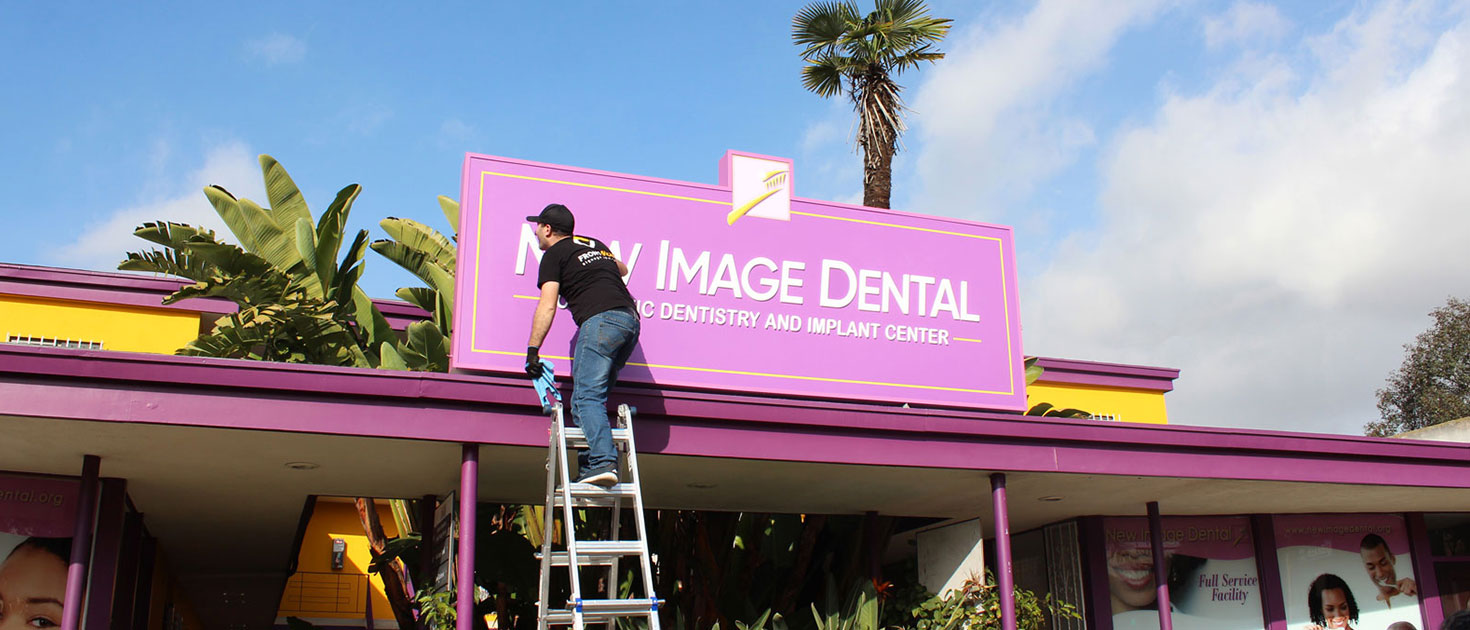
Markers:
(576, 439)
(563, 618)
(604, 610)
(619, 606)
(590, 495)
(599, 552)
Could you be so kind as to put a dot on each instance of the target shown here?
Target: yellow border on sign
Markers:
(479, 241)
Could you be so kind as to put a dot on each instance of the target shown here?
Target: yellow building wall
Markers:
(1125, 405)
(118, 327)
(319, 592)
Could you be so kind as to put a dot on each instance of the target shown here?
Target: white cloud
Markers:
(984, 115)
(829, 165)
(457, 134)
(1245, 21)
(276, 48)
(1280, 235)
(103, 243)
(823, 133)
(364, 119)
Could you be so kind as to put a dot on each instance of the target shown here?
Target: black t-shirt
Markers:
(588, 274)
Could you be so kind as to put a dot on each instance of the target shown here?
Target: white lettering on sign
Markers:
(840, 285)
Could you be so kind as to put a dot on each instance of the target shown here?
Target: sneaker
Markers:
(605, 476)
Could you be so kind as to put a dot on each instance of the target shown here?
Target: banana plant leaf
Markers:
(426, 349)
(422, 238)
(228, 209)
(285, 198)
(451, 213)
(422, 297)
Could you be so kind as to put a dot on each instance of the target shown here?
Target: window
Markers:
(52, 342)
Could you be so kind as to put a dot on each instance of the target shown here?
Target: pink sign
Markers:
(744, 287)
(37, 506)
(1209, 563)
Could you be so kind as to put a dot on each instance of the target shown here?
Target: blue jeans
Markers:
(604, 343)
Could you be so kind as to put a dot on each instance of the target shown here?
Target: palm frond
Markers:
(171, 262)
(912, 59)
(821, 25)
(900, 10)
(824, 75)
(421, 237)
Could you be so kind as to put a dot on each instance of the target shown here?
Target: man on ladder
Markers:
(584, 272)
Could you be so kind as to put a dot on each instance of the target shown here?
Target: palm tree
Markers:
(859, 56)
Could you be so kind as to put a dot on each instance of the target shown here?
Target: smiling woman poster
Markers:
(1211, 568)
(36, 519)
(1342, 571)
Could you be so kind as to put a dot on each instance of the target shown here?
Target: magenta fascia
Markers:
(813, 306)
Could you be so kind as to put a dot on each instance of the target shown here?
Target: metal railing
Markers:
(321, 592)
(52, 342)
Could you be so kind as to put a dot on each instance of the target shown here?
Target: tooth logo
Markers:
(759, 187)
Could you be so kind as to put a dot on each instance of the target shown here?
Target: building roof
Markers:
(204, 445)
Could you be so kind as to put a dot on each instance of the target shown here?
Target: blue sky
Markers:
(1267, 195)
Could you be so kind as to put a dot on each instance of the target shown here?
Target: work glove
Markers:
(533, 361)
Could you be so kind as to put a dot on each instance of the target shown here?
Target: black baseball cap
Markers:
(557, 216)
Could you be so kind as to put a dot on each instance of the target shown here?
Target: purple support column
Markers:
(81, 544)
(1429, 604)
(1273, 607)
(1161, 566)
(107, 541)
(1003, 552)
(469, 489)
(1099, 609)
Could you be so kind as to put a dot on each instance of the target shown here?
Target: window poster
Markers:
(1347, 572)
(37, 515)
(1211, 569)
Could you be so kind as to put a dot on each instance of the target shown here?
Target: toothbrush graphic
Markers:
(774, 180)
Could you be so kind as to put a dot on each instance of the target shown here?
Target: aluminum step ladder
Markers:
(578, 555)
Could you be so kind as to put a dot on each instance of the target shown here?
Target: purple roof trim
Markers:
(126, 289)
(110, 279)
(400, 314)
(131, 289)
(1107, 374)
(124, 387)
